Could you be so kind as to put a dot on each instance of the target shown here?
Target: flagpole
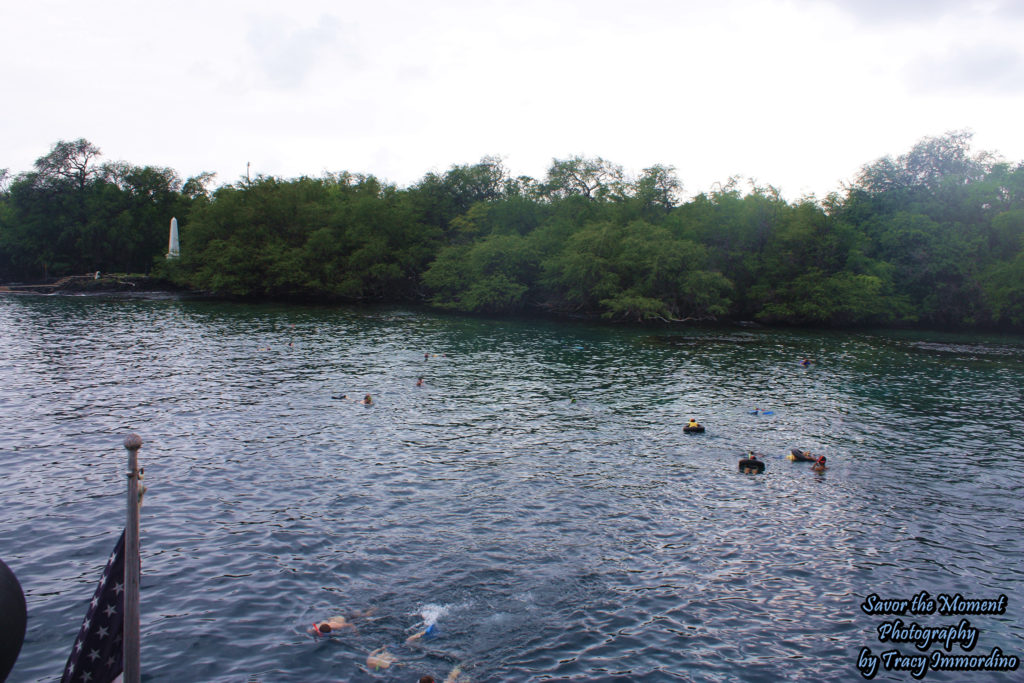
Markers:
(132, 569)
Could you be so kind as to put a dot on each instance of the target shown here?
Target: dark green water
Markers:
(535, 499)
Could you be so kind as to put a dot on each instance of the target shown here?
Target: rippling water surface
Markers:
(535, 499)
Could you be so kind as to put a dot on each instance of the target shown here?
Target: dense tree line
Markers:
(933, 237)
(72, 215)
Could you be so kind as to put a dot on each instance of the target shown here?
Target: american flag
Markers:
(97, 654)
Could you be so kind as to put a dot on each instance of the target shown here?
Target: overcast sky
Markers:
(794, 93)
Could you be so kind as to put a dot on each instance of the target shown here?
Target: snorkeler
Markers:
(429, 631)
(380, 659)
(693, 426)
(455, 676)
(331, 625)
(751, 465)
(338, 623)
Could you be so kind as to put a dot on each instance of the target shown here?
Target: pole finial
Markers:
(133, 442)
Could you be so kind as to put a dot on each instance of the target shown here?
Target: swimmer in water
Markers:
(331, 625)
(429, 631)
(419, 382)
(693, 423)
(380, 659)
(819, 464)
(806, 362)
(455, 676)
(751, 465)
(339, 622)
(367, 401)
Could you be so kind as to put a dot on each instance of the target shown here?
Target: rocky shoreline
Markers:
(97, 283)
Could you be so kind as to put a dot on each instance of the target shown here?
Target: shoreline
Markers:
(145, 285)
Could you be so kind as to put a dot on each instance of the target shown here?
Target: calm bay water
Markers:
(535, 499)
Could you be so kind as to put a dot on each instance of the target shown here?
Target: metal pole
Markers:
(132, 442)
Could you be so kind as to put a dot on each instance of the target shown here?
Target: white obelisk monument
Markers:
(172, 246)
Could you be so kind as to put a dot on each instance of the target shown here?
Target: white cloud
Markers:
(986, 69)
(907, 11)
(794, 93)
(286, 54)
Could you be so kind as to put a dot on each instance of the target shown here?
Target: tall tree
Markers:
(658, 187)
(69, 161)
(594, 178)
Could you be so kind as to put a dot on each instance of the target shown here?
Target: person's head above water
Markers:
(331, 625)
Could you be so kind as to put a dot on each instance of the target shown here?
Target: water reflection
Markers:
(537, 491)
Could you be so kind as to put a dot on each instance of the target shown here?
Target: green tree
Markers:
(594, 179)
(73, 162)
(658, 189)
(439, 199)
(492, 275)
(1003, 286)
(636, 271)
